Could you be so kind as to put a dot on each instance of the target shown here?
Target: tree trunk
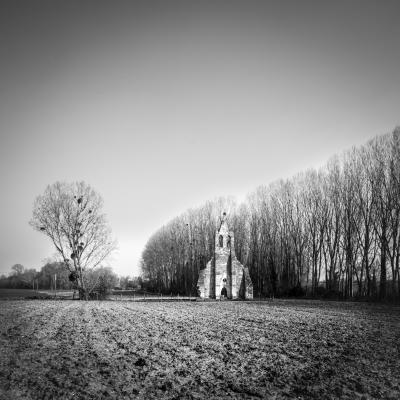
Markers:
(382, 284)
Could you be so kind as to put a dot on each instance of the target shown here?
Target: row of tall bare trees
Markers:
(334, 231)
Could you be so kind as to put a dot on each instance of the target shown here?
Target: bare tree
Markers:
(331, 245)
(17, 269)
(394, 216)
(70, 214)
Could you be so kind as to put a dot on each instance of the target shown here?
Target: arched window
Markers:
(228, 242)
(221, 241)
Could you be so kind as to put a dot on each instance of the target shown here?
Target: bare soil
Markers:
(198, 350)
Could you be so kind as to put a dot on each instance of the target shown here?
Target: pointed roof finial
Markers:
(223, 220)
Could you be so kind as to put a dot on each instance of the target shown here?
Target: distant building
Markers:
(224, 275)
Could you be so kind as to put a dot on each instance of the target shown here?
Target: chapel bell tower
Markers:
(224, 276)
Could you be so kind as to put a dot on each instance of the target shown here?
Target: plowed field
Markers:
(198, 350)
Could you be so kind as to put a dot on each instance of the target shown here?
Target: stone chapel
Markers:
(224, 276)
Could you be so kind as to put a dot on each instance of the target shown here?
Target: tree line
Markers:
(330, 232)
(55, 275)
(29, 278)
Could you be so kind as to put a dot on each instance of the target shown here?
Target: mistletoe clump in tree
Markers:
(70, 214)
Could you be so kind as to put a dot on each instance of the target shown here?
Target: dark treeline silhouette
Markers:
(332, 232)
(54, 275)
(51, 272)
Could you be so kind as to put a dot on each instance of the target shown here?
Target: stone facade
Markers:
(224, 275)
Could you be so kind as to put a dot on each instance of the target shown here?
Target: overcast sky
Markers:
(163, 105)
